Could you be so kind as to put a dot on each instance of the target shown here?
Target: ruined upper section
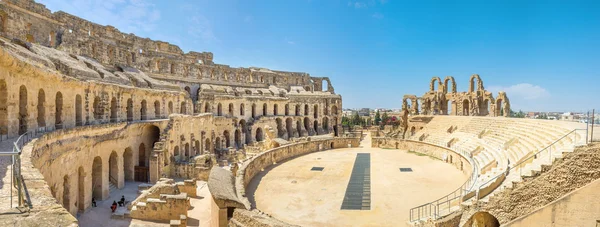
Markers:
(32, 22)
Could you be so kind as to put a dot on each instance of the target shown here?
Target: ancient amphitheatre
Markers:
(90, 113)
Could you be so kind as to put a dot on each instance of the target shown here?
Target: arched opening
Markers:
(238, 138)
(242, 110)
(316, 127)
(499, 107)
(128, 164)
(324, 85)
(287, 109)
(466, 107)
(290, 128)
(186, 152)
(217, 144)
(245, 131)
(176, 152)
(78, 110)
(206, 107)
(316, 111)
(230, 109)
(219, 109)
(307, 126)
(331, 145)
(171, 107)
(253, 110)
(41, 108)
(98, 110)
(275, 109)
(142, 155)
(265, 109)
(157, 109)
(335, 130)
(196, 148)
(259, 135)
(279, 123)
(482, 219)
(297, 110)
(113, 169)
(97, 182)
(449, 107)
(66, 193)
(81, 189)
(206, 145)
(334, 110)
(306, 111)
(183, 108)
(227, 138)
(113, 110)
(143, 110)
(485, 108)
(325, 125)
(3, 107)
(413, 130)
(22, 109)
(58, 122)
(299, 128)
(129, 110)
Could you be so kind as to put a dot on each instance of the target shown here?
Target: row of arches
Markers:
(266, 111)
(304, 127)
(461, 107)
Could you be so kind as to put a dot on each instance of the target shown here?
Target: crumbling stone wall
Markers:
(162, 202)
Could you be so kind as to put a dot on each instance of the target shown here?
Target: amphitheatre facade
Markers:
(88, 112)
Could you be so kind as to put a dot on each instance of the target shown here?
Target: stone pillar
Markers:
(155, 170)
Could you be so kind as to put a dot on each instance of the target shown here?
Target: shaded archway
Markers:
(207, 145)
(230, 109)
(186, 151)
(183, 108)
(81, 189)
(287, 109)
(499, 107)
(113, 169)
(335, 130)
(297, 110)
(219, 109)
(227, 138)
(3, 108)
(157, 109)
(143, 110)
(58, 122)
(265, 109)
(413, 130)
(482, 219)
(218, 144)
(253, 110)
(41, 108)
(171, 107)
(196, 148)
(289, 127)
(307, 126)
(66, 193)
(176, 152)
(78, 110)
(245, 131)
(279, 124)
(22, 109)
(316, 111)
(97, 182)
(238, 138)
(242, 110)
(299, 128)
(98, 109)
(142, 155)
(128, 164)
(259, 135)
(466, 107)
(129, 110)
(325, 125)
(316, 127)
(113, 110)
(306, 110)
(334, 110)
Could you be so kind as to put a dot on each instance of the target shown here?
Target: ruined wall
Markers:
(162, 202)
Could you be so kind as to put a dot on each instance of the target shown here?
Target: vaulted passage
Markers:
(157, 109)
(113, 110)
(128, 164)
(97, 182)
(113, 169)
(41, 108)
(98, 109)
(22, 109)
(78, 110)
(129, 110)
(58, 121)
(143, 110)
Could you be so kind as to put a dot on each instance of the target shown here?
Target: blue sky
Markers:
(544, 54)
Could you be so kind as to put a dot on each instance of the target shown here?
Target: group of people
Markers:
(113, 207)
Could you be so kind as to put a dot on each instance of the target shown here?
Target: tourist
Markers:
(122, 201)
(113, 207)
(93, 202)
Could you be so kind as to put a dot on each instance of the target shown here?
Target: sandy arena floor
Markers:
(293, 193)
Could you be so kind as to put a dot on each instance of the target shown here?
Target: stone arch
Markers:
(58, 121)
(253, 110)
(287, 109)
(306, 111)
(142, 155)
(3, 106)
(186, 150)
(335, 130)
(81, 189)
(230, 109)
(171, 107)
(413, 130)
(307, 126)
(472, 83)
(41, 108)
(66, 198)
(197, 148)
(242, 109)
(465, 107)
(265, 109)
(325, 125)
(237, 138)
(227, 138)
(23, 109)
(78, 110)
(316, 111)
(482, 219)
(98, 109)
(97, 181)
(245, 131)
(206, 145)
(128, 164)
(299, 128)
(176, 152)
(259, 134)
(289, 124)
(275, 109)
(453, 84)
(113, 109)
(450, 107)
(217, 144)
(279, 124)
(206, 107)
(113, 168)
(432, 84)
(485, 107)
(334, 110)
(316, 127)
(129, 110)
(157, 109)
(183, 108)
(502, 105)
(219, 109)
(297, 110)
(143, 110)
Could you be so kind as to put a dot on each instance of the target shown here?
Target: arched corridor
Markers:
(58, 121)
(23, 114)
(97, 181)
(41, 108)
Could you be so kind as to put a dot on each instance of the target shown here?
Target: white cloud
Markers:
(377, 16)
(129, 16)
(200, 27)
(524, 91)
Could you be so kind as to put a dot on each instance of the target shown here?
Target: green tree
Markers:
(385, 118)
(377, 118)
(356, 120)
